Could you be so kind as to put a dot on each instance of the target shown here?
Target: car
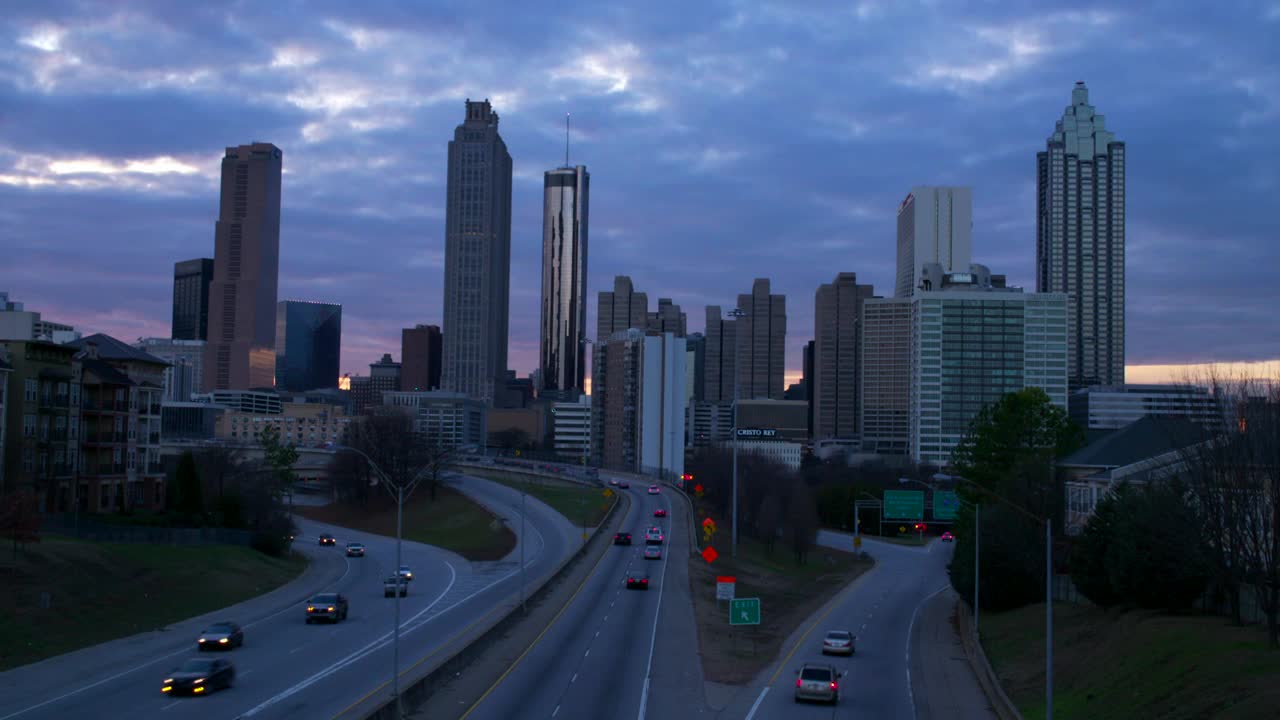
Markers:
(355, 549)
(327, 539)
(638, 581)
(622, 538)
(818, 682)
(199, 676)
(653, 552)
(405, 572)
(660, 512)
(391, 584)
(948, 537)
(613, 481)
(654, 490)
(221, 636)
(327, 606)
(838, 642)
(653, 536)
(624, 484)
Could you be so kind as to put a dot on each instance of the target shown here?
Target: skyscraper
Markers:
(477, 256)
(836, 382)
(885, 369)
(935, 225)
(668, 318)
(246, 267)
(1080, 238)
(308, 345)
(622, 309)
(762, 342)
(420, 358)
(562, 356)
(191, 280)
(721, 357)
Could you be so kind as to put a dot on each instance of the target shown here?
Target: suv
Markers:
(622, 538)
(653, 536)
(327, 606)
(395, 581)
(818, 682)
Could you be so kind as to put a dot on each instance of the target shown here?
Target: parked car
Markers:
(391, 584)
(221, 636)
(355, 550)
(838, 642)
(199, 676)
(818, 682)
(327, 606)
(638, 581)
(327, 539)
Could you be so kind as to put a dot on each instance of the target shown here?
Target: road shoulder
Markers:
(943, 683)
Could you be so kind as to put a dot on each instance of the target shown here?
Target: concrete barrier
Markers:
(987, 677)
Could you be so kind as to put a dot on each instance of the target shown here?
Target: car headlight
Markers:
(223, 640)
(198, 690)
(330, 609)
(202, 640)
(198, 681)
(310, 608)
(168, 681)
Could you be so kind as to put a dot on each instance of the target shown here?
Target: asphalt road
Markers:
(595, 660)
(880, 609)
(288, 668)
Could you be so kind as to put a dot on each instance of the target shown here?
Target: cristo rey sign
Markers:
(757, 433)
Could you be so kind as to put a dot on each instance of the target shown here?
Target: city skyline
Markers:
(330, 86)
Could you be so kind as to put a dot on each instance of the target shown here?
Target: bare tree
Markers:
(802, 521)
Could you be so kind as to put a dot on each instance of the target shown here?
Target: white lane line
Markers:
(910, 631)
(586, 654)
(574, 679)
(353, 657)
(756, 705)
(606, 618)
(556, 711)
(175, 702)
(597, 633)
(653, 639)
(296, 649)
(292, 607)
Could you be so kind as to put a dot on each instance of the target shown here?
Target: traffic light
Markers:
(921, 527)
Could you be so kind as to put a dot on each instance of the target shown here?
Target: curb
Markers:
(986, 675)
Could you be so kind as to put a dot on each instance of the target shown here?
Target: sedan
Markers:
(221, 636)
(948, 537)
(638, 582)
(838, 642)
(818, 682)
(327, 539)
(405, 572)
(654, 490)
(613, 481)
(327, 606)
(622, 538)
(393, 584)
(355, 550)
(660, 513)
(653, 552)
(624, 484)
(199, 676)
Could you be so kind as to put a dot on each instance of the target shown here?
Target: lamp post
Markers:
(736, 314)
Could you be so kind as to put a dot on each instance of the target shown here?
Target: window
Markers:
(28, 426)
(29, 389)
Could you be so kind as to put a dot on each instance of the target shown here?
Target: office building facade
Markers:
(561, 346)
(885, 369)
(184, 376)
(308, 345)
(721, 357)
(445, 419)
(935, 225)
(638, 403)
(762, 342)
(571, 429)
(246, 269)
(622, 309)
(1104, 408)
(420, 354)
(836, 376)
(191, 280)
(1080, 238)
(477, 272)
(668, 318)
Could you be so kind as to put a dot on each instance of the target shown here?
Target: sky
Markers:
(726, 141)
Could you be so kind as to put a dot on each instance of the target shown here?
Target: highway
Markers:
(288, 668)
(880, 608)
(595, 660)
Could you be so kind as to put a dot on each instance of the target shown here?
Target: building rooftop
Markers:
(1144, 438)
(110, 348)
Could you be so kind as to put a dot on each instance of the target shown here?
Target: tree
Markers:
(1021, 427)
(190, 496)
(220, 468)
(404, 456)
(1089, 553)
(279, 458)
(802, 521)
(1156, 559)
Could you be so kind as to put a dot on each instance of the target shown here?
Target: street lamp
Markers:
(736, 314)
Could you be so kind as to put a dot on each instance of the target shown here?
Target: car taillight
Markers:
(797, 682)
(833, 685)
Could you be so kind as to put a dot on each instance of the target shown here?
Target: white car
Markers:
(838, 642)
(653, 552)
(654, 490)
(653, 536)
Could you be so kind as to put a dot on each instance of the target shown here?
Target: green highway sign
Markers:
(744, 611)
(904, 504)
(946, 504)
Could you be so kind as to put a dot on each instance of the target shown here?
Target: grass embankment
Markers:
(1121, 665)
(789, 593)
(452, 521)
(103, 591)
(578, 503)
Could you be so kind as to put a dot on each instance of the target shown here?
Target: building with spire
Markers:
(561, 345)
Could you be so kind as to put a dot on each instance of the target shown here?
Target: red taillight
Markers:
(833, 685)
(797, 682)
(645, 581)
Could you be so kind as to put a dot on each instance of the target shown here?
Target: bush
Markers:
(273, 536)
(1089, 553)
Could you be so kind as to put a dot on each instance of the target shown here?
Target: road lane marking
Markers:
(574, 679)
(353, 657)
(910, 631)
(175, 702)
(297, 649)
(597, 633)
(587, 653)
(653, 639)
(835, 603)
(556, 711)
(756, 704)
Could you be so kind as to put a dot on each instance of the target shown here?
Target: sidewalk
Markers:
(944, 685)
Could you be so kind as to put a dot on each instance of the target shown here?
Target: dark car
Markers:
(327, 539)
(221, 636)
(622, 538)
(948, 537)
(200, 676)
(638, 581)
(355, 549)
(394, 583)
(660, 513)
(327, 606)
(624, 484)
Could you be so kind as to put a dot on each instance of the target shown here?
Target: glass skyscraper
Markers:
(308, 345)
(562, 358)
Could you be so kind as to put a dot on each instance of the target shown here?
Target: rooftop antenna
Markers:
(566, 139)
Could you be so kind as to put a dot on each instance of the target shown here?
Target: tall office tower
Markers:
(935, 225)
(562, 352)
(622, 309)
(191, 280)
(762, 343)
(885, 368)
(696, 346)
(246, 266)
(477, 257)
(837, 309)
(669, 318)
(808, 379)
(420, 358)
(721, 357)
(638, 403)
(308, 345)
(1080, 238)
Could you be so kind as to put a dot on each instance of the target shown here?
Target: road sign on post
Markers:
(744, 611)
(724, 587)
(946, 504)
(903, 504)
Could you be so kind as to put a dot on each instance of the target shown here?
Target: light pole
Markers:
(736, 314)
